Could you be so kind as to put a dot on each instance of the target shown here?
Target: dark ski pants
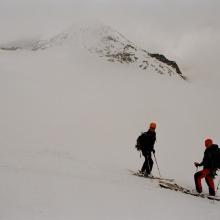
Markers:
(148, 163)
(207, 174)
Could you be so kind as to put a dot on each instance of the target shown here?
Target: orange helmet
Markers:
(208, 142)
(153, 125)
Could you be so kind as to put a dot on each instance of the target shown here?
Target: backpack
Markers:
(140, 142)
(216, 159)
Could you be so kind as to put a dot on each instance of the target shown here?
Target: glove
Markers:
(196, 164)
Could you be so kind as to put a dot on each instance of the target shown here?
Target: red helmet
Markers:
(153, 125)
(208, 142)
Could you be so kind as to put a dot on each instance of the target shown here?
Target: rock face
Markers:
(107, 43)
(163, 59)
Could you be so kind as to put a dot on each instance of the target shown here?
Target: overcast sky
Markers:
(182, 30)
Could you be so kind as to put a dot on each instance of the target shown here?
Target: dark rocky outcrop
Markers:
(171, 63)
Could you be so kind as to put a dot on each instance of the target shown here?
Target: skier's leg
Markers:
(198, 180)
(143, 169)
(150, 163)
(211, 184)
(147, 160)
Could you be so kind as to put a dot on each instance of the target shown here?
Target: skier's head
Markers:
(153, 125)
(208, 142)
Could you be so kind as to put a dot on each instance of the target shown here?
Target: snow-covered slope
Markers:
(105, 42)
(69, 122)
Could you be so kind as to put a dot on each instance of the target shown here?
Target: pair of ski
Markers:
(176, 187)
(150, 176)
(171, 185)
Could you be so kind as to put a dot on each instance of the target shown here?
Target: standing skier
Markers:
(145, 143)
(209, 170)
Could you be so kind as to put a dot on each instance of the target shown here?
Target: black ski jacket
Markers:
(148, 142)
(208, 162)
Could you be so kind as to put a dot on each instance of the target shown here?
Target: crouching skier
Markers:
(209, 170)
(145, 143)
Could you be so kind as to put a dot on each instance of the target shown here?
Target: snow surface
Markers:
(69, 122)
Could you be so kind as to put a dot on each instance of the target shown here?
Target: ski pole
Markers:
(157, 165)
(218, 185)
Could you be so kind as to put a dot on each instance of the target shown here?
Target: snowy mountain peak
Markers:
(107, 43)
(90, 37)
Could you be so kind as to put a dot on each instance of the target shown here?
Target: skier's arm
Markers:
(204, 161)
(154, 140)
